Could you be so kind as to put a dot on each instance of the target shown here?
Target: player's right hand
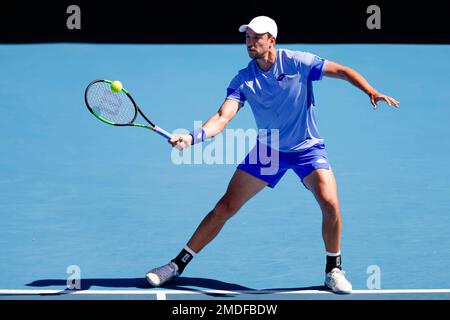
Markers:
(181, 142)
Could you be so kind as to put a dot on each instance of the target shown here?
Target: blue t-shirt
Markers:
(282, 98)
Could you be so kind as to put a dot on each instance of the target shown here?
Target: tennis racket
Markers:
(116, 108)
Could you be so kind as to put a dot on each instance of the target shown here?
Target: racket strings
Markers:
(115, 107)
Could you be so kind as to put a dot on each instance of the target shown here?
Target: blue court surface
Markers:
(111, 203)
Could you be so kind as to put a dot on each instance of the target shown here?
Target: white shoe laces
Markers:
(165, 272)
(337, 273)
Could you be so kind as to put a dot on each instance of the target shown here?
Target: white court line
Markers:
(162, 294)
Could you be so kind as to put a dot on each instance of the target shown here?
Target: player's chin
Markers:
(252, 54)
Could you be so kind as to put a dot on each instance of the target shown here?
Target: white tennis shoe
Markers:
(160, 275)
(336, 281)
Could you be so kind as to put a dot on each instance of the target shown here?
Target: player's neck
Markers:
(266, 62)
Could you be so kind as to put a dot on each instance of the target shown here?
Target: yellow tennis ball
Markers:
(116, 86)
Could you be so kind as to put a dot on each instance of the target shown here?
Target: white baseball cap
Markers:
(261, 24)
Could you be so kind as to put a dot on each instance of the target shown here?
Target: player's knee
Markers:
(330, 203)
(226, 208)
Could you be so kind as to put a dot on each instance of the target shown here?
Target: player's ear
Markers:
(272, 39)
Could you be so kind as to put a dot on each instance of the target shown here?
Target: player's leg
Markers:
(322, 183)
(241, 188)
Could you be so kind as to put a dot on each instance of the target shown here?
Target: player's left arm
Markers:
(335, 70)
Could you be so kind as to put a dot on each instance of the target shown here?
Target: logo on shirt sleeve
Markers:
(285, 76)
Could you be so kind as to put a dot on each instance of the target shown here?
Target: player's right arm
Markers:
(215, 125)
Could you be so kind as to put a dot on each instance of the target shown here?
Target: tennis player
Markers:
(277, 83)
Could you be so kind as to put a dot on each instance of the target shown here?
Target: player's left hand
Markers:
(376, 97)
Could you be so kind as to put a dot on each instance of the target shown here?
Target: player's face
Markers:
(258, 44)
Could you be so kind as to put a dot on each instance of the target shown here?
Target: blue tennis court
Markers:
(112, 202)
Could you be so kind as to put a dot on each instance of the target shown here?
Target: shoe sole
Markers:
(338, 291)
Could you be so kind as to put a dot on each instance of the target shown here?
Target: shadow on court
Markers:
(181, 283)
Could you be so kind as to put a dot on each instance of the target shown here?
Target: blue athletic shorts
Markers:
(264, 163)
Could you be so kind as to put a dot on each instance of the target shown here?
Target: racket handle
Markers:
(162, 132)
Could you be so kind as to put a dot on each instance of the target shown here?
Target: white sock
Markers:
(192, 252)
(330, 254)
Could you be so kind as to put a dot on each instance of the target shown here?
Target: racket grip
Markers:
(162, 132)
